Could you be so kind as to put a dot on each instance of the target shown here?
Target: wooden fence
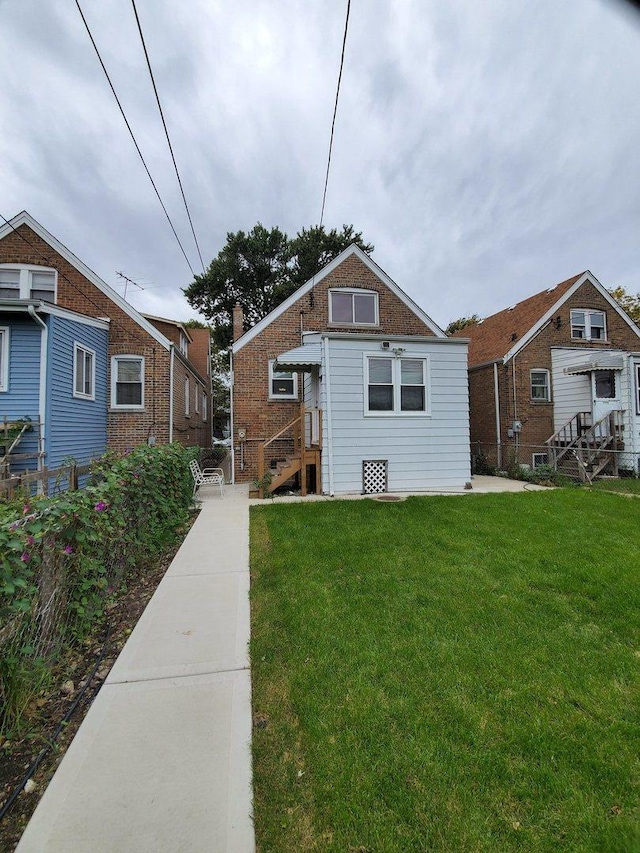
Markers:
(64, 479)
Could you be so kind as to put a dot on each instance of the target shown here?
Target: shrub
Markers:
(61, 557)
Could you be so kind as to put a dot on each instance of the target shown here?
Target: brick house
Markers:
(350, 387)
(154, 392)
(556, 379)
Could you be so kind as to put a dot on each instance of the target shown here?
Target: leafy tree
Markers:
(631, 304)
(260, 269)
(462, 323)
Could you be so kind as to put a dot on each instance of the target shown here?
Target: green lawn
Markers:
(447, 674)
(629, 485)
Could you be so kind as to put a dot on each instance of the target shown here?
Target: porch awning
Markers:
(598, 361)
(304, 358)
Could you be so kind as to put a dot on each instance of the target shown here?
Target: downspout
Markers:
(327, 384)
(42, 401)
(516, 434)
(496, 395)
(232, 433)
(171, 359)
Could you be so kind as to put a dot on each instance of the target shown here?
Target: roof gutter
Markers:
(42, 401)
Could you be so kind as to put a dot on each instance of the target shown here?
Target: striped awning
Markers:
(598, 361)
(305, 358)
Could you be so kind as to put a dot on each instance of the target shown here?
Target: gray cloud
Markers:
(487, 149)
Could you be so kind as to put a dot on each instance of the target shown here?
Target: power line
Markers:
(126, 121)
(166, 131)
(335, 110)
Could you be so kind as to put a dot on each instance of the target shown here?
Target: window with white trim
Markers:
(187, 402)
(204, 406)
(539, 459)
(540, 388)
(4, 359)
(184, 344)
(396, 386)
(283, 384)
(353, 307)
(27, 281)
(196, 400)
(588, 325)
(84, 372)
(127, 382)
(638, 389)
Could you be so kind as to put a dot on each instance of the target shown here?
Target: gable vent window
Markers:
(588, 325)
(353, 307)
(28, 282)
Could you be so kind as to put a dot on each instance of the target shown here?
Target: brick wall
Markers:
(253, 410)
(77, 293)
(537, 417)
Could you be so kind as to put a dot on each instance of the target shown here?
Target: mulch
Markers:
(69, 677)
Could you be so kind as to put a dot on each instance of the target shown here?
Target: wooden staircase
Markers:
(586, 449)
(304, 436)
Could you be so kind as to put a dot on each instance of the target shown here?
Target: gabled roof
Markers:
(500, 336)
(177, 323)
(325, 271)
(25, 218)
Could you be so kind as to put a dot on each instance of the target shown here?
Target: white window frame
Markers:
(354, 291)
(184, 344)
(196, 399)
(204, 406)
(637, 366)
(547, 385)
(86, 351)
(272, 396)
(536, 461)
(26, 276)
(396, 376)
(187, 396)
(588, 313)
(126, 407)
(4, 358)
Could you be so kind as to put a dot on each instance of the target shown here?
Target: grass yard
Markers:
(447, 674)
(628, 485)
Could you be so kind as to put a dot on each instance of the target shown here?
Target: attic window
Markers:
(27, 282)
(352, 307)
(588, 325)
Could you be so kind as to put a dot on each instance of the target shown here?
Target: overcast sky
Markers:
(488, 148)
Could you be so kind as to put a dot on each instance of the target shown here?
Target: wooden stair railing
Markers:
(306, 452)
(563, 440)
(594, 448)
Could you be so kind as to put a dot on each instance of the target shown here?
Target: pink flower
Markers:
(100, 506)
(25, 557)
(25, 509)
(30, 540)
(68, 549)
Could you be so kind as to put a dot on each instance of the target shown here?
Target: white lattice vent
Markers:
(374, 476)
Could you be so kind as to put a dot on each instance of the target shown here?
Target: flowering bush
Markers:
(62, 555)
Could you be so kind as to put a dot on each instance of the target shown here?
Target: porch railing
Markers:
(305, 435)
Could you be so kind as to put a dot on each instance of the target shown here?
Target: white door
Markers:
(605, 387)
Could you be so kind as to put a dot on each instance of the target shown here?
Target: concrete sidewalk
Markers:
(162, 761)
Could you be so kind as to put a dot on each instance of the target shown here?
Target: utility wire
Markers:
(166, 131)
(126, 121)
(335, 110)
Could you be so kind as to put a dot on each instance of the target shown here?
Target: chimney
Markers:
(238, 321)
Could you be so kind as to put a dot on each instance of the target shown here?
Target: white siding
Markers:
(423, 452)
(570, 394)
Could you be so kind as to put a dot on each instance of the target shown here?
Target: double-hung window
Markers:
(351, 307)
(4, 359)
(283, 384)
(588, 325)
(27, 282)
(127, 382)
(84, 372)
(396, 386)
(540, 391)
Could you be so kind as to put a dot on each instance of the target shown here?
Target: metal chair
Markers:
(206, 476)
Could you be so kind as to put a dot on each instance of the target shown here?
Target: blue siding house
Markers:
(53, 372)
